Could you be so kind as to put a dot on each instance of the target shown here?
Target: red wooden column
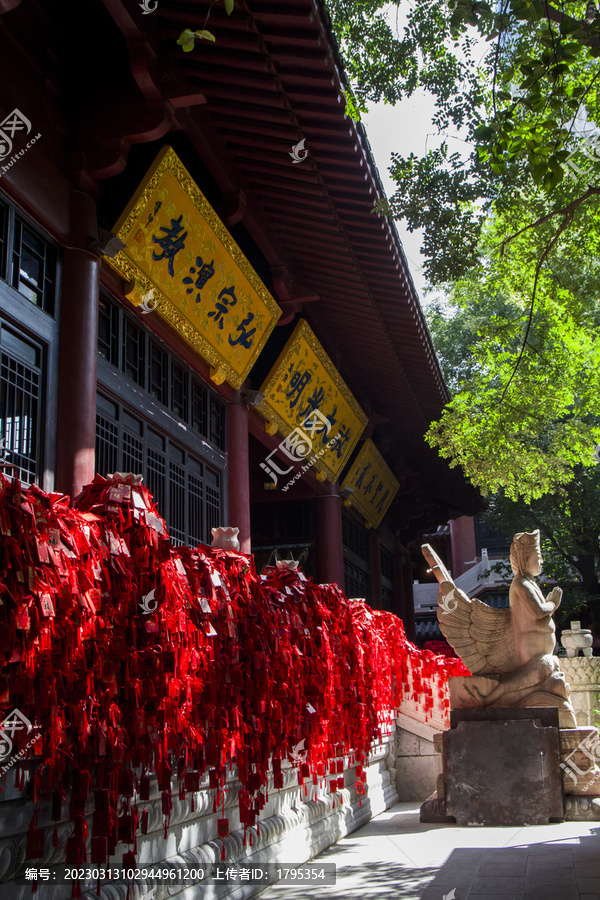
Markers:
(330, 546)
(76, 425)
(375, 553)
(403, 591)
(464, 550)
(238, 483)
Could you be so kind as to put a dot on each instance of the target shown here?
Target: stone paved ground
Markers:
(394, 856)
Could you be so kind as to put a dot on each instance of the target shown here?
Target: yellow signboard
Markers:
(305, 392)
(183, 262)
(372, 484)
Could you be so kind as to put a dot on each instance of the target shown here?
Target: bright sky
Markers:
(405, 128)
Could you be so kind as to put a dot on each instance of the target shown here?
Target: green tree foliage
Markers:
(466, 333)
(515, 107)
(388, 57)
(569, 523)
(512, 231)
(188, 37)
(526, 389)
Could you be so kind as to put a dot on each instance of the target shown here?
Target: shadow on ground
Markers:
(548, 870)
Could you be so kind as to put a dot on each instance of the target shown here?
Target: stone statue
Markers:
(509, 651)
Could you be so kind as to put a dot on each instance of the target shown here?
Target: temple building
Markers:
(194, 287)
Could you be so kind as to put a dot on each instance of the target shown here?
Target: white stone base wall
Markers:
(293, 829)
(418, 763)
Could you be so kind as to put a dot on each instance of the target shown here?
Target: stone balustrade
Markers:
(293, 828)
(418, 764)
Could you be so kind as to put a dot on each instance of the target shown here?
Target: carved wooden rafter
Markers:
(169, 96)
(112, 125)
(138, 114)
(293, 306)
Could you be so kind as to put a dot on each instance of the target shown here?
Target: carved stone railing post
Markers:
(582, 674)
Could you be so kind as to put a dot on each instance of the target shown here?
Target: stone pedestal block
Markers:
(500, 767)
(503, 773)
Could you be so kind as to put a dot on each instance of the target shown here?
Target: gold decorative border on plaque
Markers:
(276, 422)
(168, 161)
(369, 453)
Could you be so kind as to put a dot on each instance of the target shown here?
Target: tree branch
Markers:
(566, 556)
(556, 15)
(496, 58)
(569, 209)
(567, 219)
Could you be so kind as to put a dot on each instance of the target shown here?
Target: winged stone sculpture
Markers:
(509, 651)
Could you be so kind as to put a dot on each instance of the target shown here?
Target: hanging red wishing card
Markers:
(47, 605)
(34, 848)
